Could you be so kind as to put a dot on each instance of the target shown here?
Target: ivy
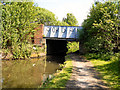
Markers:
(17, 25)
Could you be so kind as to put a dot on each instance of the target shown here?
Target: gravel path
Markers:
(84, 76)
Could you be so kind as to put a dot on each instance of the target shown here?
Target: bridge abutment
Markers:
(56, 47)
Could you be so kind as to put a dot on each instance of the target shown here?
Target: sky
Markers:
(79, 8)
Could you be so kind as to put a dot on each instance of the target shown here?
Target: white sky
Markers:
(79, 8)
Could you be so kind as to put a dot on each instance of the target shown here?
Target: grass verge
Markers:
(109, 70)
(60, 78)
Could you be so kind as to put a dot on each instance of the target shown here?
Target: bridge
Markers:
(57, 38)
(70, 33)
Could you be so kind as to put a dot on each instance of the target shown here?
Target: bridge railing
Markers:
(61, 32)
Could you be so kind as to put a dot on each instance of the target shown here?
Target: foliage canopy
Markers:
(101, 28)
(70, 19)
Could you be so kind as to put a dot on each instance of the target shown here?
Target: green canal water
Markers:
(28, 73)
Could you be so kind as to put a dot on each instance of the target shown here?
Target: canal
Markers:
(29, 73)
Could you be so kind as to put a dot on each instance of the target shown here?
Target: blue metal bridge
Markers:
(62, 32)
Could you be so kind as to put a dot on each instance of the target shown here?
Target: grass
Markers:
(60, 79)
(109, 70)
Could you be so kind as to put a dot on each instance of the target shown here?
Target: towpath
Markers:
(84, 75)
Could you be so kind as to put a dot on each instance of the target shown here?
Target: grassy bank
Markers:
(36, 51)
(60, 78)
(109, 70)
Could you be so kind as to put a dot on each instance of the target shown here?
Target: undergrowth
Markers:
(72, 47)
(109, 68)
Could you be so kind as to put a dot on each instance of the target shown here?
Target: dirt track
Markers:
(84, 76)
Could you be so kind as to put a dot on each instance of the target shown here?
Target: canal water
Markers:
(29, 73)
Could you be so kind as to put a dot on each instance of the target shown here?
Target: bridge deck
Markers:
(70, 33)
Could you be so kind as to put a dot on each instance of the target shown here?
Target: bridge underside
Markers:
(56, 47)
(65, 39)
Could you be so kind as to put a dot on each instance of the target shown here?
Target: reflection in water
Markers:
(58, 59)
(28, 73)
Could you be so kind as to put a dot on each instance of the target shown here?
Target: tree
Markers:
(101, 30)
(17, 22)
(71, 20)
(45, 17)
(62, 23)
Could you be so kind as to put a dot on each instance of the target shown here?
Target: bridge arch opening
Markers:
(56, 47)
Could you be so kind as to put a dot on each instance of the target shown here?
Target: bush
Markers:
(101, 30)
(103, 56)
(72, 46)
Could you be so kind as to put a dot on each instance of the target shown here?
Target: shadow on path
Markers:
(84, 75)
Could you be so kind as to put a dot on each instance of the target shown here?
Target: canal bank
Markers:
(35, 53)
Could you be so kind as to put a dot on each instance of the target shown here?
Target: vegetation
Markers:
(17, 22)
(72, 46)
(101, 40)
(45, 17)
(60, 79)
(37, 51)
(101, 29)
(109, 69)
(71, 20)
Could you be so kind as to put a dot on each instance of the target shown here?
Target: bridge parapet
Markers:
(61, 32)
